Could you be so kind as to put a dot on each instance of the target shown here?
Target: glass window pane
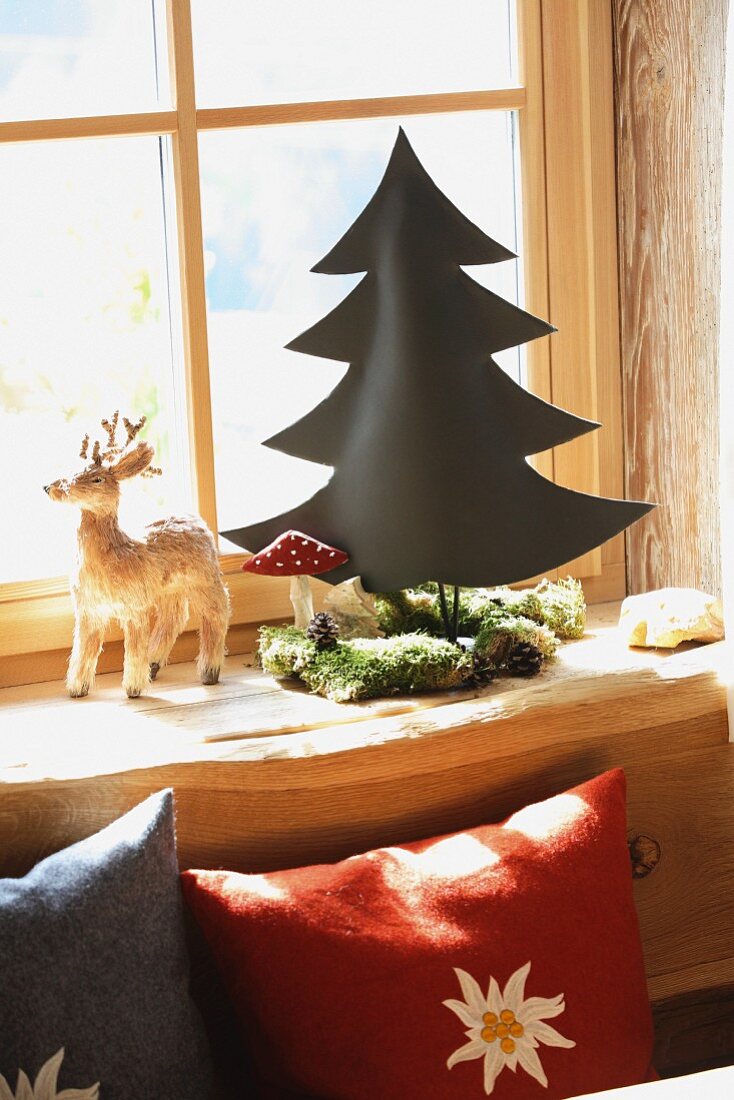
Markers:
(84, 330)
(287, 50)
(275, 200)
(60, 58)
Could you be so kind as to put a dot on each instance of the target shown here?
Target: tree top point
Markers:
(407, 191)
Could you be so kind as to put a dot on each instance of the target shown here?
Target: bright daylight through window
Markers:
(90, 303)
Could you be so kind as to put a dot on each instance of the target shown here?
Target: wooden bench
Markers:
(266, 776)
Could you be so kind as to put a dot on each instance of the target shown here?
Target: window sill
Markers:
(250, 716)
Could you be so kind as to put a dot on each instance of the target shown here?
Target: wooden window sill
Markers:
(249, 716)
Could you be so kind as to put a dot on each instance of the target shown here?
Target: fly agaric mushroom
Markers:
(299, 557)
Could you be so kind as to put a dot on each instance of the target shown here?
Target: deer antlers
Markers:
(114, 449)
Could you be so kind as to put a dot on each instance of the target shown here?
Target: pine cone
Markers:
(323, 630)
(484, 672)
(524, 659)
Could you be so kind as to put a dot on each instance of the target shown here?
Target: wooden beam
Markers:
(534, 252)
(567, 62)
(669, 61)
(53, 129)
(606, 281)
(569, 226)
(269, 114)
(191, 258)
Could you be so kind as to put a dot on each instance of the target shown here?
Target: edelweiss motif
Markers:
(504, 1028)
(44, 1087)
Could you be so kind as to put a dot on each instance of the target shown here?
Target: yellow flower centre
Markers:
(503, 1027)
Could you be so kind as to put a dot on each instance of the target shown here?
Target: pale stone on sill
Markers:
(665, 618)
(354, 610)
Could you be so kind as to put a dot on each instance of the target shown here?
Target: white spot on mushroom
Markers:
(293, 538)
(293, 552)
(279, 564)
(257, 561)
(270, 553)
(304, 542)
(332, 554)
(298, 561)
(316, 561)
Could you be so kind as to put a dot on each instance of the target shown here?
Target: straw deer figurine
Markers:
(149, 585)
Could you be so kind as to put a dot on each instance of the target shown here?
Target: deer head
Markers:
(96, 488)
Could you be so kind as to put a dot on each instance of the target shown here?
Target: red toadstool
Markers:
(299, 557)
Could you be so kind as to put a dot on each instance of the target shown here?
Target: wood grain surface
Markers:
(606, 287)
(570, 248)
(669, 61)
(195, 342)
(269, 114)
(534, 251)
(267, 776)
(51, 129)
(567, 68)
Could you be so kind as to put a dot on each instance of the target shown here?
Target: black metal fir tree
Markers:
(427, 435)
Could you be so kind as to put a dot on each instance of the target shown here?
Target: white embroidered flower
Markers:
(504, 1028)
(44, 1087)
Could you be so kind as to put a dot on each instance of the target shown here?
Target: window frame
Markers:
(564, 103)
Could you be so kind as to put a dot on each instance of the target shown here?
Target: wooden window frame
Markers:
(564, 103)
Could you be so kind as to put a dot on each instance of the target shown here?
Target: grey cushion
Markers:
(93, 960)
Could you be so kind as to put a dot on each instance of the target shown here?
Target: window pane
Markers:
(287, 50)
(79, 57)
(84, 330)
(275, 200)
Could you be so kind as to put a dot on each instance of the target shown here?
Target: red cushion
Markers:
(497, 960)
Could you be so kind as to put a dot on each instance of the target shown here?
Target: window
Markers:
(85, 328)
(175, 170)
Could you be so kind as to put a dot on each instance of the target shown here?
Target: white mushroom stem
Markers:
(302, 601)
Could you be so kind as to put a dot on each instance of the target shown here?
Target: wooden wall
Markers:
(669, 77)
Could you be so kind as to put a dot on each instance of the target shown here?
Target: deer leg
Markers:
(169, 621)
(214, 608)
(85, 652)
(135, 669)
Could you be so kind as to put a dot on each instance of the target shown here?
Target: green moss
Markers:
(564, 607)
(365, 668)
(411, 611)
(557, 605)
(523, 601)
(414, 656)
(419, 609)
(498, 635)
(284, 650)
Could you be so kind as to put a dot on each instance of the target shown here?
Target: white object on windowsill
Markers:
(354, 610)
(665, 618)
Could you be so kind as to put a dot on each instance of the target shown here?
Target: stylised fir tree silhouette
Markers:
(427, 435)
